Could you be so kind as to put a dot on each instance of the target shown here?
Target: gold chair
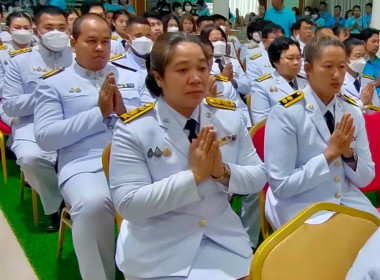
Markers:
(249, 100)
(34, 198)
(257, 133)
(314, 251)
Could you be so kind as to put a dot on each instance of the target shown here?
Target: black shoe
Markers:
(52, 223)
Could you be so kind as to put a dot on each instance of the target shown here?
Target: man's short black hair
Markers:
(350, 43)
(270, 28)
(86, 7)
(323, 3)
(367, 33)
(216, 17)
(304, 19)
(203, 18)
(137, 20)
(368, 5)
(278, 46)
(50, 10)
(152, 15)
(338, 6)
(176, 5)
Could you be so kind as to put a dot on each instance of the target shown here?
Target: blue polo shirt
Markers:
(372, 68)
(362, 22)
(332, 21)
(368, 18)
(285, 18)
(325, 16)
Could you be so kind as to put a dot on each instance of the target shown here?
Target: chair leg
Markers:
(22, 186)
(35, 207)
(3, 158)
(61, 236)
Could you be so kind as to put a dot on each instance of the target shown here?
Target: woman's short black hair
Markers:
(161, 56)
(367, 33)
(278, 46)
(350, 43)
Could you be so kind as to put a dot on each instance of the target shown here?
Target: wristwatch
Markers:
(354, 158)
(226, 173)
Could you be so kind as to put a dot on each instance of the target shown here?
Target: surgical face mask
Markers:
(22, 36)
(55, 40)
(357, 65)
(219, 48)
(142, 45)
(307, 13)
(173, 29)
(256, 36)
(223, 28)
(188, 8)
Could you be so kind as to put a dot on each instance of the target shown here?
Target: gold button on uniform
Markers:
(202, 223)
(338, 195)
(337, 163)
(337, 179)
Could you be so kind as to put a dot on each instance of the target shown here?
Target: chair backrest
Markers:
(106, 168)
(4, 128)
(314, 251)
(372, 123)
(248, 101)
(258, 133)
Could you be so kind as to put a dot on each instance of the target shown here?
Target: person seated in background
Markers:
(368, 13)
(76, 110)
(370, 37)
(180, 178)
(341, 33)
(72, 15)
(304, 33)
(356, 23)
(202, 21)
(170, 23)
(155, 22)
(258, 63)
(337, 20)
(285, 56)
(324, 153)
(324, 31)
(202, 8)
(232, 40)
(223, 65)
(316, 19)
(323, 13)
(138, 36)
(187, 24)
(177, 10)
(361, 88)
(119, 26)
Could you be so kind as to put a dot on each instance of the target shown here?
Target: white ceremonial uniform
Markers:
(21, 79)
(5, 37)
(68, 119)
(296, 139)
(367, 263)
(243, 84)
(165, 211)
(267, 91)
(133, 61)
(233, 45)
(116, 45)
(250, 48)
(225, 90)
(257, 65)
(348, 87)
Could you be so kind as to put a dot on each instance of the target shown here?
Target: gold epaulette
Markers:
(368, 76)
(129, 116)
(221, 103)
(245, 41)
(348, 99)
(3, 47)
(52, 73)
(264, 77)
(251, 47)
(19, 51)
(255, 56)
(292, 98)
(117, 56)
(221, 78)
(114, 37)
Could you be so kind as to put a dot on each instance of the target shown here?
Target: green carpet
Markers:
(39, 247)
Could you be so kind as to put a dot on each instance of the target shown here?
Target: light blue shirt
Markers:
(325, 16)
(58, 3)
(332, 21)
(285, 18)
(372, 68)
(368, 17)
(204, 12)
(362, 22)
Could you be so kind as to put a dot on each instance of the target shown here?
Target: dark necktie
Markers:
(329, 118)
(191, 125)
(123, 43)
(220, 64)
(357, 85)
(293, 85)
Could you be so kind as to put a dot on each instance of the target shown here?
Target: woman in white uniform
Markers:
(173, 167)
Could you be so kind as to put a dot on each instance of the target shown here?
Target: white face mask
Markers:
(219, 48)
(256, 36)
(223, 28)
(142, 45)
(55, 40)
(179, 10)
(357, 65)
(307, 13)
(22, 36)
(188, 8)
(173, 29)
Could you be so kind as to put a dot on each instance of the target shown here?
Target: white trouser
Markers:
(93, 217)
(39, 171)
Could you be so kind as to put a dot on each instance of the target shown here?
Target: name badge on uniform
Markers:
(126, 85)
(227, 139)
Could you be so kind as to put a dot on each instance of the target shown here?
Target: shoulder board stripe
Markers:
(221, 103)
(3, 47)
(264, 77)
(129, 116)
(117, 56)
(20, 51)
(52, 73)
(255, 56)
(221, 78)
(368, 76)
(348, 99)
(292, 98)
(114, 37)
